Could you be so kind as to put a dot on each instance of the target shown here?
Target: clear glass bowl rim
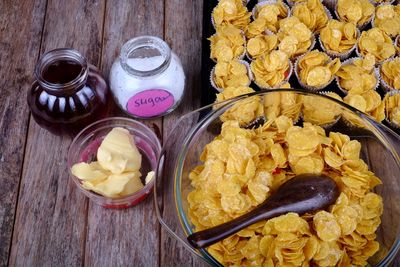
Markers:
(205, 256)
(87, 131)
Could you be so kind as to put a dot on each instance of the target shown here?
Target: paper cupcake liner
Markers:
(397, 45)
(377, 4)
(248, 56)
(267, 2)
(360, 27)
(305, 86)
(340, 55)
(330, 4)
(289, 74)
(350, 61)
(292, 3)
(212, 74)
(392, 124)
(385, 86)
(327, 11)
(244, 2)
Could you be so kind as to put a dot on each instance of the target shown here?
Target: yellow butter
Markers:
(134, 184)
(89, 172)
(116, 173)
(116, 185)
(118, 152)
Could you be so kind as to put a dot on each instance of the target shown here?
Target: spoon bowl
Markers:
(301, 194)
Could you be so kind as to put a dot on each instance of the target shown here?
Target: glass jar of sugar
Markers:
(147, 79)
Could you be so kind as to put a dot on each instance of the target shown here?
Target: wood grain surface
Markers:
(129, 237)
(44, 219)
(51, 217)
(19, 50)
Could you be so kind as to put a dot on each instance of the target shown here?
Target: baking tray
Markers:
(208, 93)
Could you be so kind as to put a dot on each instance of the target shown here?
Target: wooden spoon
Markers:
(301, 194)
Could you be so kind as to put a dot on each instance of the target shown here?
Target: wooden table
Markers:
(44, 220)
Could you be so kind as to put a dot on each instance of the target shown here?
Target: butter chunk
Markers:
(134, 185)
(118, 152)
(115, 185)
(89, 172)
(149, 176)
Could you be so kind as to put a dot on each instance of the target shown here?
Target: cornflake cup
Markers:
(373, 19)
(305, 86)
(341, 55)
(349, 62)
(358, 53)
(385, 86)
(360, 27)
(326, 125)
(288, 74)
(331, 4)
(244, 48)
(249, 74)
(392, 124)
(397, 45)
(327, 12)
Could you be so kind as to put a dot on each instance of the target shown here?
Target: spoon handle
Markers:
(212, 235)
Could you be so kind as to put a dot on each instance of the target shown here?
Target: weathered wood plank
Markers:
(51, 215)
(183, 32)
(126, 237)
(19, 49)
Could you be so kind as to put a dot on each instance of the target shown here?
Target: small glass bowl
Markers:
(84, 148)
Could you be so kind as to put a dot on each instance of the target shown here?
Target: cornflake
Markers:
(271, 13)
(338, 36)
(316, 68)
(392, 105)
(376, 42)
(390, 72)
(240, 169)
(294, 37)
(246, 110)
(321, 111)
(358, 12)
(283, 103)
(232, 73)
(312, 14)
(271, 70)
(227, 44)
(358, 76)
(231, 12)
(369, 102)
(387, 19)
(262, 44)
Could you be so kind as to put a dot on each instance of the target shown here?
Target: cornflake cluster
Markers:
(241, 168)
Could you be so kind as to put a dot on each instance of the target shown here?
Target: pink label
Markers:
(150, 103)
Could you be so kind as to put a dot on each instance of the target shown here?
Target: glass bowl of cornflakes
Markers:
(223, 160)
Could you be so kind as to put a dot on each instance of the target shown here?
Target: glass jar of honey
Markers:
(68, 93)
